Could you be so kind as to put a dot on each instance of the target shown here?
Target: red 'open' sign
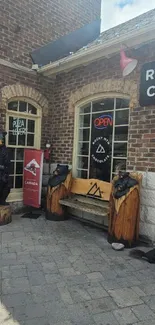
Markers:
(103, 122)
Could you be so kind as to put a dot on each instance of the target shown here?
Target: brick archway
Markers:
(125, 87)
(18, 91)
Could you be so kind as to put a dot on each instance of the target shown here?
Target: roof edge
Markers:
(95, 52)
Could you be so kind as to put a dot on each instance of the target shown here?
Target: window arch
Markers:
(101, 137)
(23, 125)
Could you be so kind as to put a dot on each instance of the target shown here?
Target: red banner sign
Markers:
(33, 168)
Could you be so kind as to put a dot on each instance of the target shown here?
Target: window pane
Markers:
(11, 153)
(13, 106)
(11, 181)
(19, 168)
(30, 140)
(19, 182)
(121, 133)
(82, 162)
(32, 109)
(12, 123)
(84, 135)
(31, 125)
(82, 174)
(22, 106)
(17, 125)
(84, 121)
(85, 109)
(21, 139)
(122, 103)
(122, 117)
(11, 168)
(103, 105)
(21, 126)
(83, 149)
(120, 150)
(12, 139)
(119, 165)
(20, 154)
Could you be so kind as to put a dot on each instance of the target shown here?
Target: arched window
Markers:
(23, 125)
(101, 137)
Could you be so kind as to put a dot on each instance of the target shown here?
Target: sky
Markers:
(115, 12)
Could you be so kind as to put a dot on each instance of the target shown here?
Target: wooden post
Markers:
(54, 210)
(5, 215)
(125, 215)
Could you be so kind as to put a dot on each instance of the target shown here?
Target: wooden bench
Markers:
(89, 201)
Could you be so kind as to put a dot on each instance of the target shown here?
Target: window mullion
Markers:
(26, 132)
(89, 153)
(113, 138)
(14, 178)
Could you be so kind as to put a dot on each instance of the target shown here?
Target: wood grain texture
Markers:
(91, 187)
(55, 194)
(5, 215)
(125, 214)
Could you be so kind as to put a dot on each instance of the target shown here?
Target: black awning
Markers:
(62, 47)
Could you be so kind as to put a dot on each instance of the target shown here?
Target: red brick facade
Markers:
(58, 125)
(10, 77)
(27, 25)
(141, 146)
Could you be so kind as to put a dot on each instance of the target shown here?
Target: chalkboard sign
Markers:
(147, 85)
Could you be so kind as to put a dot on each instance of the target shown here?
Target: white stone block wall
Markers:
(147, 216)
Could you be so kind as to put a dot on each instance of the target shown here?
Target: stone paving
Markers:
(67, 274)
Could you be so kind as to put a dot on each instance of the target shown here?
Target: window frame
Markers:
(16, 194)
(85, 102)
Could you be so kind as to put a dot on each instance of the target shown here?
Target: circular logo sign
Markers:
(100, 150)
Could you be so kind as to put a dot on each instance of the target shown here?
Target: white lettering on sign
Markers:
(19, 126)
(31, 183)
(101, 138)
(150, 74)
(151, 91)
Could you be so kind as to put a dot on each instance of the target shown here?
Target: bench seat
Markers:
(88, 210)
(97, 208)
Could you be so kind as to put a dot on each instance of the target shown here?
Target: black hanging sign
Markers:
(101, 140)
(100, 145)
(147, 85)
(100, 150)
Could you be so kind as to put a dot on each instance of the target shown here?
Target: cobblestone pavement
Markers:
(67, 274)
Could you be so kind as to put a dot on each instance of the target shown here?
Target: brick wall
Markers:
(141, 147)
(10, 77)
(58, 126)
(27, 25)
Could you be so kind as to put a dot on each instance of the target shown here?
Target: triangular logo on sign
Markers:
(32, 166)
(95, 191)
(100, 149)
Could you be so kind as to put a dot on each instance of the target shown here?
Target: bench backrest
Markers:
(92, 188)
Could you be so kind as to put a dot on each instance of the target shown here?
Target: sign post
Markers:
(33, 168)
(147, 85)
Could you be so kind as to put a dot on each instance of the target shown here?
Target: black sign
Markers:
(101, 138)
(147, 85)
(100, 150)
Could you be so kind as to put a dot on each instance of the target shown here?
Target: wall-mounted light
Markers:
(47, 151)
(127, 64)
